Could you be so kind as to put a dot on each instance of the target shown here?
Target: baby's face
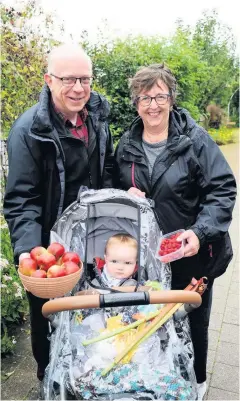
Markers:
(120, 260)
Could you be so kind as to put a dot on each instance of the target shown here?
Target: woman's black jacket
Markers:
(47, 166)
(193, 188)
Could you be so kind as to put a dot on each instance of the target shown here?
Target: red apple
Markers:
(70, 267)
(56, 271)
(28, 266)
(56, 249)
(39, 274)
(46, 260)
(23, 255)
(59, 262)
(71, 257)
(37, 251)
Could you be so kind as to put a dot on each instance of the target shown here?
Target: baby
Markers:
(120, 261)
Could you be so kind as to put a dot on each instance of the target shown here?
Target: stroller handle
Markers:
(120, 299)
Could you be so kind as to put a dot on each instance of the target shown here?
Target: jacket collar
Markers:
(97, 106)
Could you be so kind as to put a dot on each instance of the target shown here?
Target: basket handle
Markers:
(120, 299)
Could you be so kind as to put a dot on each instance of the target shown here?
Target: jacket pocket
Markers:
(216, 256)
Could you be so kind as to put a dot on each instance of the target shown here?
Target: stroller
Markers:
(85, 346)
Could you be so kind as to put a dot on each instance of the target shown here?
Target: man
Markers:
(56, 146)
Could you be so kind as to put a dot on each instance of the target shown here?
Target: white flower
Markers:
(18, 294)
(16, 284)
(3, 263)
(7, 278)
(3, 286)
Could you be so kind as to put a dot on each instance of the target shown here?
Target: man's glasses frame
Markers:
(146, 100)
(71, 81)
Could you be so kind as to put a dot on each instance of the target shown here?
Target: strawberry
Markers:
(169, 245)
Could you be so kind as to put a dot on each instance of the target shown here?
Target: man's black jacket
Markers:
(192, 185)
(47, 166)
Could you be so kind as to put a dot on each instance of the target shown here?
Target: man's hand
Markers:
(137, 192)
(192, 243)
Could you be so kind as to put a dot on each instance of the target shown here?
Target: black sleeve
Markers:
(217, 187)
(107, 181)
(23, 201)
(116, 172)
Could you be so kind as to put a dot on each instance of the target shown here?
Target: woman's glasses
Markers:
(160, 99)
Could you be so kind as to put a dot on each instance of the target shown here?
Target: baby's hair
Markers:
(125, 239)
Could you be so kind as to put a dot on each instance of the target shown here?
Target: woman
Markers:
(166, 156)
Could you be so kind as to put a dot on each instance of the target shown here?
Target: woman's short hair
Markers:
(124, 239)
(146, 77)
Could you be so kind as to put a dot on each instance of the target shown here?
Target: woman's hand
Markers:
(137, 192)
(192, 243)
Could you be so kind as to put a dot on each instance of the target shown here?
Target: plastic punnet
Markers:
(171, 256)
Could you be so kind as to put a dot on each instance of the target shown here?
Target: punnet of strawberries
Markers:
(170, 244)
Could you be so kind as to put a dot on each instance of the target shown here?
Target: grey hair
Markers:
(146, 77)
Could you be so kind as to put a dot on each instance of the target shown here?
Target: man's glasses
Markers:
(147, 100)
(71, 81)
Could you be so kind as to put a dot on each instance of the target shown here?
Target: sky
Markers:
(133, 16)
(138, 16)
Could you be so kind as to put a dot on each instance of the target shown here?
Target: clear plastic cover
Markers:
(159, 367)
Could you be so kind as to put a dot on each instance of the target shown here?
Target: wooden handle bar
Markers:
(94, 301)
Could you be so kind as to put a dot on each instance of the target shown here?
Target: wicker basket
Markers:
(50, 287)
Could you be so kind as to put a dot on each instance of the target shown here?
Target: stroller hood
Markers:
(97, 215)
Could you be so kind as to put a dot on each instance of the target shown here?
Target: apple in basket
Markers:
(56, 271)
(37, 251)
(70, 267)
(39, 274)
(24, 255)
(56, 249)
(27, 266)
(71, 257)
(46, 260)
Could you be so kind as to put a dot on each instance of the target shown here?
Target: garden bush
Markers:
(14, 305)
(223, 135)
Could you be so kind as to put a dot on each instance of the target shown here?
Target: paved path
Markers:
(223, 361)
(223, 356)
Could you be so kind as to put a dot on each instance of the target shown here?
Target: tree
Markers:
(216, 46)
(114, 63)
(24, 52)
(202, 59)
